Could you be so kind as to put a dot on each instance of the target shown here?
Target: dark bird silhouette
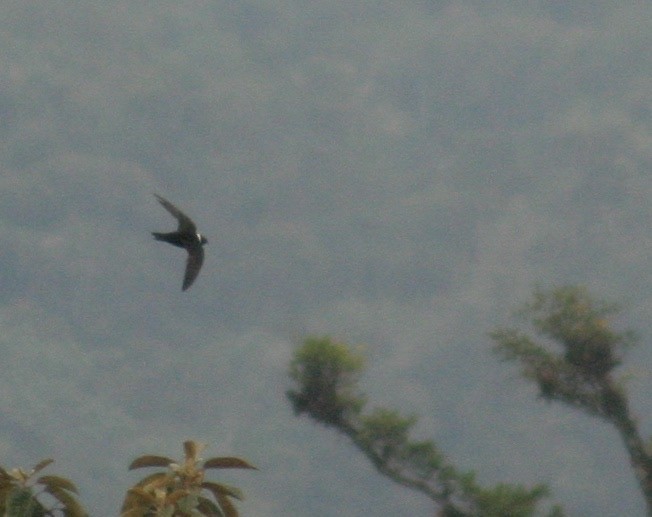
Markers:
(186, 237)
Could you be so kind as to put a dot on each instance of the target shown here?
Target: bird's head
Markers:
(202, 239)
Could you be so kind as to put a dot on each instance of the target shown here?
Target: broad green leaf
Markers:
(219, 489)
(42, 464)
(137, 496)
(209, 508)
(157, 479)
(227, 463)
(227, 506)
(150, 461)
(58, 482)
(143, 493)
(71, 506)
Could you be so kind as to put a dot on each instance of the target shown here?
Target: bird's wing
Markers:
(193, 265)
(185, 223)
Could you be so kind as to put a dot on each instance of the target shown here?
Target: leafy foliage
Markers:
(326, 374)
(578, 370)
(181, 490)
(23, 496)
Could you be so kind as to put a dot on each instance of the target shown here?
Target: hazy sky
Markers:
(396, 176)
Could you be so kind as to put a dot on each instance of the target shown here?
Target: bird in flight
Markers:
(186, 237)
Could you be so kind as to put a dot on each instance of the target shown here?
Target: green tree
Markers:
(24, 495)
(325, 374)
(570, 350)
(181, 489)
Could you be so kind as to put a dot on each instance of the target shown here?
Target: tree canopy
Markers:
(571, 351)
(325, 374)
